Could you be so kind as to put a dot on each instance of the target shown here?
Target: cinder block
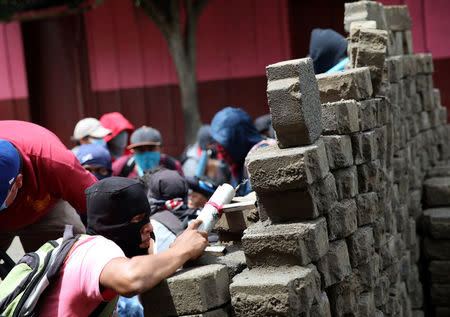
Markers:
(437, 98)
(424, 84)
(369, 176)
(381, 290)
(439, 272)
(364, 147)
(437, 191)
(287, 205)
(219, 312)
(381, 141)
(322, 307)
(424, 63)
(340, 117)
(286, 291)
(383, 111)
(339, 151)
(189, 291)
(341, 219)
(407, 42)
(368, 273)
(394, 69)
(366, 304)
(347, 84)
(360, 246)
(272, 169)
(363, 11)
(367, 208)
(368, 114)
(346, 182)
(294, 102)
(335, 265)
(324, 193)
(437, 249)
(343, 297)
(440, 293)
(297, 243)
(437, 222)
(397, 17)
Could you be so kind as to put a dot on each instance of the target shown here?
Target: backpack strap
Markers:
(127, 167)
(105, 309)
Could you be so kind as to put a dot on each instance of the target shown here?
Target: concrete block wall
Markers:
(340, 195)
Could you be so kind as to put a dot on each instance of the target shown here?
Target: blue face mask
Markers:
(3, 206)
(98, 141)
(146, 161)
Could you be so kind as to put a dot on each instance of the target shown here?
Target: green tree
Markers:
(181, 40)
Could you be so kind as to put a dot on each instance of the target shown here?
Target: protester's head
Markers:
(96, 159)
(326, 48)
(146, 148)
(201, 191)
(118, 209)
(264, 125)
(121, 130)
(89, 130)
(235, 134)
(10, 174)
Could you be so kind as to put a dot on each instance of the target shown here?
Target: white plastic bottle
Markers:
(209, 214)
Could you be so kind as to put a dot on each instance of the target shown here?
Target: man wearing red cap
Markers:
(41, 182)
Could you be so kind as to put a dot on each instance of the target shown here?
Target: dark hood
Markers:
(204, 137)
(111, 204)
(326, 48)
(234, 130)
(167, 184)
(117, 123)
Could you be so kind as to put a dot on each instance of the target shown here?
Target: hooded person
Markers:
(167, 192)
(326, 48)
(117, 259)
(96, 159)
(235, 135)
(121, 130)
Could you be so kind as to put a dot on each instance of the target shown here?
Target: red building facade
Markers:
(57, 71)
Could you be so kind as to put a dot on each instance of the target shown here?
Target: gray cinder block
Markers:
(367, 208)
(437, 191)
(368, 114)
(394, 69)
(397, 17)
(272, 169)
(339, 151)
(340, 117)
(347, 84)
(322, 307)
(363, 11)
(341, 219)
(366, 304)
(424, 63)
(364, 147)
(284, 291)
(335, 265)
(294, 102)
(369, 176)
(266, 244)
(439, 272)
(437, 249)
(344, 297)
(437, 222)
(346, 182)
(189, 291)
(360, 246)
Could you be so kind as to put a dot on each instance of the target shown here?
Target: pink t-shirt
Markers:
(76, 292)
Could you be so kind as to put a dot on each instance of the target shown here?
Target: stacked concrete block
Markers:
(294, 102)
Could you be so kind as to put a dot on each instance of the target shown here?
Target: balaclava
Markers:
(111, 204)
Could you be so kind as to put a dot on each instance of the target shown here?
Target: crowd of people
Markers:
(118, 186)
(137, 204)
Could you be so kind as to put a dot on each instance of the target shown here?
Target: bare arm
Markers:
(129, 277)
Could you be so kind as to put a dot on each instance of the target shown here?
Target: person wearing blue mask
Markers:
(145, 145)
(96, 159)
(87, 131)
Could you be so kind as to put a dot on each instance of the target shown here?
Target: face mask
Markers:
(117, 144)
(98, 141)
(146, 161)
(3, 206)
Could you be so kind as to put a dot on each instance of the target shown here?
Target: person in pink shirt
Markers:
(118, 258)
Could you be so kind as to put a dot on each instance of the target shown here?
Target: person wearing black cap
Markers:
(118, 259)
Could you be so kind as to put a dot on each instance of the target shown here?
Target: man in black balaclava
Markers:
(98, 269)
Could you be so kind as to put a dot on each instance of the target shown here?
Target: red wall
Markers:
(430, 35)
